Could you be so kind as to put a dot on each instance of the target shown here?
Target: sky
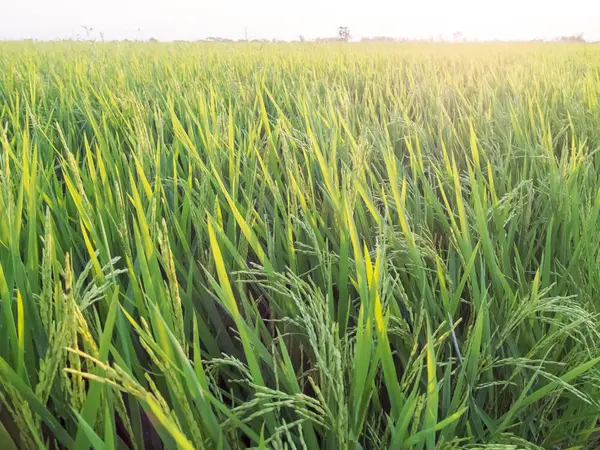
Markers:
(282, 19)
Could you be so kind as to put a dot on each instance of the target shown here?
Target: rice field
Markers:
(299, 246)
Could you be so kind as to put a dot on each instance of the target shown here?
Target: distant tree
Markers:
(327, 39)
(218, 39)
(88, 31)
(381, 39)
(574, 38)
(458, 36)
(344, 34)
(301, 38)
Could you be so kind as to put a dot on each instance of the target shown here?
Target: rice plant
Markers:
(214, 246)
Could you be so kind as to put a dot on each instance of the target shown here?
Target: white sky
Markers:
(283, 19)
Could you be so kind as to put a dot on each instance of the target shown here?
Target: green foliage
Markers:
(299, 246)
